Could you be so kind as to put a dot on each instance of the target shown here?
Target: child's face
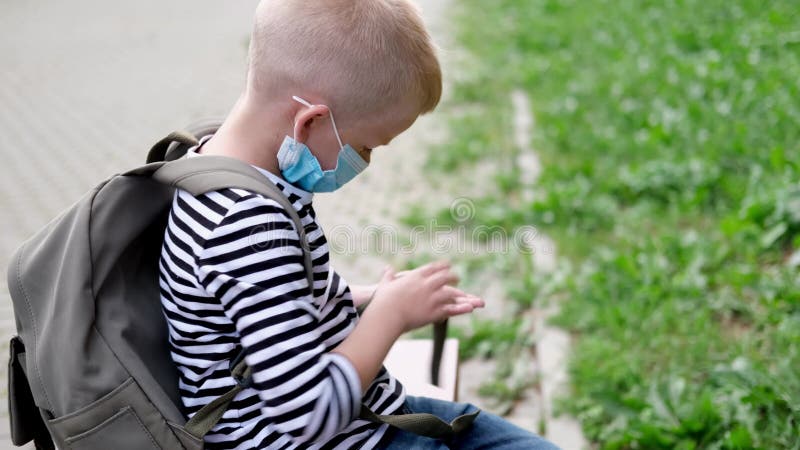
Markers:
(363, 135)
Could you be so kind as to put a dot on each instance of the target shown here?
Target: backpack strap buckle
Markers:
(240, 372)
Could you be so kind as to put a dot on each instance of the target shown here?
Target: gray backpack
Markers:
(90, 368)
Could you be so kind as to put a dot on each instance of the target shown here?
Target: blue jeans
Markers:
(487, 432)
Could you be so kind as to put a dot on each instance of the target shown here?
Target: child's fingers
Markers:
(449, 292)
(431, 268)
(456, 292)
(455, 281)
(442, 278)
(388, 274)
(476, 302)
(456, 309)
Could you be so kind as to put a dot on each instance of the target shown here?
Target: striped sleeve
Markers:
(253, 264)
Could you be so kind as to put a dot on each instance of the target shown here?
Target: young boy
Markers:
(232, 273)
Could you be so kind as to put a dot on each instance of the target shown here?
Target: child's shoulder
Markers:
(225, 205)
(223, 211)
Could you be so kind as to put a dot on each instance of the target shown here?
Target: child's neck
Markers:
(251, 136)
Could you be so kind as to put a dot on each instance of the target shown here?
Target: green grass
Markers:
(670, 136)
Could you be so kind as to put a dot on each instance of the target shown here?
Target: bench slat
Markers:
(409, 361)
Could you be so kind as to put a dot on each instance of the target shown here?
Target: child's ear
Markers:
(305, 117)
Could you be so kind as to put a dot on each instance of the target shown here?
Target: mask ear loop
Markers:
(333, 121)
(336, 130)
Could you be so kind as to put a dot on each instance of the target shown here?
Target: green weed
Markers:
(670, 140)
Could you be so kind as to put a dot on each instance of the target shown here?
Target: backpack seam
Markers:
(133, 381)
(35, 327)
(141, 424)
(89, 242)
(91, 250)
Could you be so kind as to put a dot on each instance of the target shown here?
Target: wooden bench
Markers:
(415, 363)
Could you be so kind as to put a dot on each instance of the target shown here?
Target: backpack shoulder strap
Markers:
(210, 173)
(159, 151)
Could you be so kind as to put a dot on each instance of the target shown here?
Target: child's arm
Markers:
(252, 264)
(362, 293)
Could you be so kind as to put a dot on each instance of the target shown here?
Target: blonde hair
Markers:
(362, 56)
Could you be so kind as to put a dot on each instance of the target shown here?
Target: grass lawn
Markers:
(670, 137)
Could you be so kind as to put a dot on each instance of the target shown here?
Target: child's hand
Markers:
(423, 295)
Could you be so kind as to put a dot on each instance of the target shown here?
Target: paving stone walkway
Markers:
(86, 86)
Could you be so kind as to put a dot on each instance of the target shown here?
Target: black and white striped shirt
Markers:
(232, 275)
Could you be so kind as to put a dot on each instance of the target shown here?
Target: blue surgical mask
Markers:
(301, 168)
